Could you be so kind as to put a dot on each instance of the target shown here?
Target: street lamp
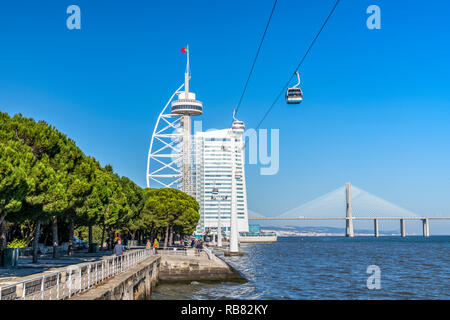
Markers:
(215, 196)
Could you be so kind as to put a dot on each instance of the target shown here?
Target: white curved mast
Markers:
(170, 163)
(165, 158)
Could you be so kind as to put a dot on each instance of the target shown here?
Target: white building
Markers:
(213, 168)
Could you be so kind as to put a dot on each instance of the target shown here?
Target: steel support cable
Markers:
(256, 56)
(299, 65)
(251, 71)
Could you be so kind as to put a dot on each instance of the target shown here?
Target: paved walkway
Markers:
(47, 263)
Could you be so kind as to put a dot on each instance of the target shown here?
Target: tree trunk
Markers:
(55, 236)
(71, 231)
(46, 238)
(2, 235)
(170, 237)
(37, 234)
(103, 238)
(2, 217)
(151, 236)
(111, 240)
(166, 238)
(2, 240)
(28, 236)
(133, 235)
(90, 236)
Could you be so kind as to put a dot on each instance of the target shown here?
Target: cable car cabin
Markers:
(294, 96)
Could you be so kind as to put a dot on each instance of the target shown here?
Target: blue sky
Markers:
(375, 111)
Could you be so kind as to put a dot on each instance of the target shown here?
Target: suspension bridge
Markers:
(357, 205)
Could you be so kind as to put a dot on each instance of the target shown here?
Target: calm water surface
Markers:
(331, 268)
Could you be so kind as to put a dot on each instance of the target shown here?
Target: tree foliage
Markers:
(45, 177)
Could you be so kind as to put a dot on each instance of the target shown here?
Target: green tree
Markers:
(14, 184)
(135, 200)
(172, 210)
(46, 178)
(48, 174)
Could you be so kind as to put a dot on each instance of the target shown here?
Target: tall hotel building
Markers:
(219, 163)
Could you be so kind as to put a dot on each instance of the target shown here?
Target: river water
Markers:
(331, 268)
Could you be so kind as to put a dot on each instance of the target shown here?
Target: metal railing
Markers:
(211, 256)
(186, 251)
(179, 251)
(73, 280)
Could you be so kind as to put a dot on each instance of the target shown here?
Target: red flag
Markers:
(184, 50)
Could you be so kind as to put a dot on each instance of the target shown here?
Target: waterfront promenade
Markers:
(104, 277)
(48, 264)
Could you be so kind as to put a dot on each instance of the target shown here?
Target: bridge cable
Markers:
(299, 65)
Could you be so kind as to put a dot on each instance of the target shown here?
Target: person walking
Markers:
(148, 245)
(156, 243)
(118, 248)
(199, 247)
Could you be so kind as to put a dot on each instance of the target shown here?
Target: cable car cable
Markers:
(299, 65)
(251, 71)
(256, 57)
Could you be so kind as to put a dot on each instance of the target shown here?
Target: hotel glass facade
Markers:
(213, 168)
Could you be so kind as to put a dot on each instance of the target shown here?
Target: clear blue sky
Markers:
(376, 110)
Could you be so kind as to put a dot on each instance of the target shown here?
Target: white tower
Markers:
(170, 157)
(236, 146)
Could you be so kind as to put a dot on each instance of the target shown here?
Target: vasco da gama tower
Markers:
(201, 165)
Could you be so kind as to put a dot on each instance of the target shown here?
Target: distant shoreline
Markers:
(292, 232)
(313, 234)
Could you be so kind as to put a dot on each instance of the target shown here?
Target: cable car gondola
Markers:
(294, 95)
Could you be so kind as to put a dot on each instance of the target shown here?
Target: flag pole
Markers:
(186, 75)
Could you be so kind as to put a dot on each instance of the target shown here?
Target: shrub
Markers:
(17, 243)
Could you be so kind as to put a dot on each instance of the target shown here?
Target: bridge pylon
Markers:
(349, 219)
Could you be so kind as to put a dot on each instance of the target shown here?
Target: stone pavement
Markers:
(47, 263)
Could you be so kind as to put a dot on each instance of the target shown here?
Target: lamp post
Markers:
(215, 196)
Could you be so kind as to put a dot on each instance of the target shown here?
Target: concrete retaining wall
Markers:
(186, 268)
(138, 283)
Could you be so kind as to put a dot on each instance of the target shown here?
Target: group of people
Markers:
(149, 244)
(197, 244)
(121, 246)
